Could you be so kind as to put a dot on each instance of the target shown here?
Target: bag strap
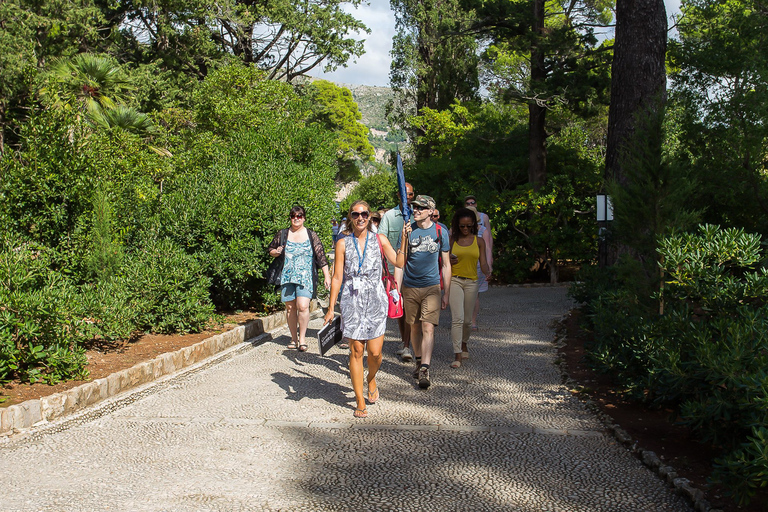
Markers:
(383, 261)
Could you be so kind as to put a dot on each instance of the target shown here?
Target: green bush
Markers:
(39, 335)
(227, 215)
(379, 190)
(167, 288)
(108, 310)
(703, 351)
(745, 471)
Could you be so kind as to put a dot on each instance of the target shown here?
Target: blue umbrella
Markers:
(402, 191)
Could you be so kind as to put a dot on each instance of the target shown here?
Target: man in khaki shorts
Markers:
(428, 250)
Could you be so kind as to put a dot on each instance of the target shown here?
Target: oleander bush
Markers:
(703, 350)
(39, 335)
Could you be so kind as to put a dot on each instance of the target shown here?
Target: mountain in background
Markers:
(372, 102)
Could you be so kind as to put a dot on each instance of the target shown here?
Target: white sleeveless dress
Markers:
(363, 297)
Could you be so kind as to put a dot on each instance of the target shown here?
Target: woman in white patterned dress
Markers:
(357, 279)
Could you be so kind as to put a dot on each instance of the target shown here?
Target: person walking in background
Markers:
(335, 229)
(467, 252)
(375, 221)
(358, 267)
(390, 226)
(471, 202)
(303, 253)
(436, 218)
(482, 279)
(428, 253)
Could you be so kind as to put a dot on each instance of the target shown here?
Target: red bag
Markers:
(394, 298)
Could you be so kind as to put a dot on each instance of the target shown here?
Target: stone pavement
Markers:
(263, 428)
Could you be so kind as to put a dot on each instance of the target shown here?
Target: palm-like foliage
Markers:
(123, 118)
(94, 82)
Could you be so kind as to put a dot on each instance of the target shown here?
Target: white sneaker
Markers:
(400, 352)
(407, 355)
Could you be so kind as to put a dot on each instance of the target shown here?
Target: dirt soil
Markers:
(104, 360)
(652, 429)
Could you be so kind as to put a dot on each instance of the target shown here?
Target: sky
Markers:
(372, 68)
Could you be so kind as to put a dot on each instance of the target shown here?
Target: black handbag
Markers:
(275, 270)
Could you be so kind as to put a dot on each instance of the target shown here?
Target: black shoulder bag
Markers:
(275, 270)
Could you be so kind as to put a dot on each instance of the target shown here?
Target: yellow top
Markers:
(468, 256)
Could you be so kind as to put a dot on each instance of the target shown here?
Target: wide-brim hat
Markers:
(474, 210)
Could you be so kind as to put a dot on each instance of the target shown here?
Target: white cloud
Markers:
(372, 68)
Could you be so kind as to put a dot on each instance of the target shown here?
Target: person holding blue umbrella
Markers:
(391, 226)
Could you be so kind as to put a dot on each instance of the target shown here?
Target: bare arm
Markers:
(488, 247)
(326, 277)
(396, 258)
(488, 235)
(484, 266)
(446, 261)
(338, 278)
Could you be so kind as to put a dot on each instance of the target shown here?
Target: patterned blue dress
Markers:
(297, 268)
(363, 297)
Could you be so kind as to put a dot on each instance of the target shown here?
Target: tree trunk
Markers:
(638, 74)
(537, 111)
(638, 83)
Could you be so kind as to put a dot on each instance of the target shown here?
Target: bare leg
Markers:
(357, 348)
(427, 341)
(302, 305)
(374, 362)
(291, 313)
(416, 338)
(405, 331)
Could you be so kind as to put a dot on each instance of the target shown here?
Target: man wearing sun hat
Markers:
(427, 258)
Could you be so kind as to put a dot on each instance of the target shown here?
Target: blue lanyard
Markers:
(365, 248)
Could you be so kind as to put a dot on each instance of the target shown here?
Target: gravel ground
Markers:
(264, 428)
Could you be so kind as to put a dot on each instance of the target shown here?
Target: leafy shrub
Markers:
(707, 354)
(378, 189)
(108, 310)
(39, 338)
(167, 288)
(744, 471)
(227, 215)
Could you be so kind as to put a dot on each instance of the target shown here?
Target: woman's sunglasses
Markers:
(467, 226)
(355, 215)
(470, 203)
(297, 215)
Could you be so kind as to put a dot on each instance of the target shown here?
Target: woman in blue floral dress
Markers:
(357, 279)
(303, 254)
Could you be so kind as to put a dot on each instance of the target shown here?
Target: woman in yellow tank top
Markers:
(466, 249)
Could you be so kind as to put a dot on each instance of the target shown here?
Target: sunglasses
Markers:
(297, 216)
(470, 203)
(355, 215)
(467, 226)
(418, 208)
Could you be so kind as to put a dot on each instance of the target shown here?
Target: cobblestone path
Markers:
(262, 428)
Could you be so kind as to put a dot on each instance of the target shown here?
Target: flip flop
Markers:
(292, 345)
(372, 398)
(456, 364)
(361, 413)
(302, 348)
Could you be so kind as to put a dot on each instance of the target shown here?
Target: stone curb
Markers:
(27, 414)
(667, 473)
